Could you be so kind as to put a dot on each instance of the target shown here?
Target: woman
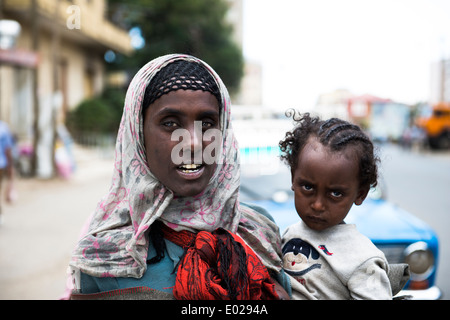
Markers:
(174, 200)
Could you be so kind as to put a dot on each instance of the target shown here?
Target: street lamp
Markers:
(9, 32)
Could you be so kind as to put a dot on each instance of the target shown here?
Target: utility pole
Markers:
(56, 38)
(35, 46)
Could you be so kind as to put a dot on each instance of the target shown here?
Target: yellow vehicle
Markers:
(437, 126)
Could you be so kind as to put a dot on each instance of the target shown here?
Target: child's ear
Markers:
(361, 196)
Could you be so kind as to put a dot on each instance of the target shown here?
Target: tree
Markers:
(196, 27)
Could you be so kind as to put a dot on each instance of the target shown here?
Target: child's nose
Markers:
(318, 204)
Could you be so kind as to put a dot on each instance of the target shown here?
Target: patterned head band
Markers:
(180, 74)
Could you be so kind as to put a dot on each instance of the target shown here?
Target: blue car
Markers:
(401, 236)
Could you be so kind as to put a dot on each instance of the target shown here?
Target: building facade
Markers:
(58, 61)
(440, 81)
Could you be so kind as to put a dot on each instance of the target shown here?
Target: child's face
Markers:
(326, 185)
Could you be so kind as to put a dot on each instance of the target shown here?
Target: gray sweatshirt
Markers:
(336, 263)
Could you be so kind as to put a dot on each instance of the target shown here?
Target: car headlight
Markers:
(420, 260)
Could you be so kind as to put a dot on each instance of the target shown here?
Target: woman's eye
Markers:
(170, 124)
(207, 124)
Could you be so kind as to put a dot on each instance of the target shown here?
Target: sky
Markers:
(379, 47)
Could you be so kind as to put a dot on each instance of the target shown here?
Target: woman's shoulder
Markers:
(258, 209)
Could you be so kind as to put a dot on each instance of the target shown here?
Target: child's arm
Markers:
(370, 281)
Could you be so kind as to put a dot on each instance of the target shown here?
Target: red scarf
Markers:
(219, 265)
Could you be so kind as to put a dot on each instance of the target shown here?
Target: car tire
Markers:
(442, 142)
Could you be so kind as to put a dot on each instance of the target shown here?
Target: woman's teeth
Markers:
(189, 167)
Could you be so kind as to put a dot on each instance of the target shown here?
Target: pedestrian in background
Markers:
(6, 164)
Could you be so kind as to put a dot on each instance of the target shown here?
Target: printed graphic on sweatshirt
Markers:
(325, 250)
(298, 257)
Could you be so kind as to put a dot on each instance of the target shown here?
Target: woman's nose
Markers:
(196, 142)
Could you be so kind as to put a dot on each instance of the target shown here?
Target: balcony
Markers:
(82, 21)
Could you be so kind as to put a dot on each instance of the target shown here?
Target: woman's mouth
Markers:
(191, 171)
(189, 168)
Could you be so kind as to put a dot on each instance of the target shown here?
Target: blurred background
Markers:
(65, 67)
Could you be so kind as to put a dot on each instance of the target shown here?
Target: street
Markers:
(39, 231)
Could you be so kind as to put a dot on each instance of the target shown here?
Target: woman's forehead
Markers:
(181, 74)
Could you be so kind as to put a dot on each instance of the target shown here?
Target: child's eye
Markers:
(307, 187)
(336, 194)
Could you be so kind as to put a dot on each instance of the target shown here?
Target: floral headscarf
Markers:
(116, 244)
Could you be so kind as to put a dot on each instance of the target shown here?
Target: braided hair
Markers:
(180, 75)
(336, 134)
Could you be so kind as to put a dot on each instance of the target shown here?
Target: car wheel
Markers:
(444, 140)
(440, 142)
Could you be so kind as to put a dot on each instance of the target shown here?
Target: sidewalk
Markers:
(39, 231)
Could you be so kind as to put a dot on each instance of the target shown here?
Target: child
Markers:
(333, 167)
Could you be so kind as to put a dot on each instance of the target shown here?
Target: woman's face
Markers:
(180, 109)
(325, 185)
